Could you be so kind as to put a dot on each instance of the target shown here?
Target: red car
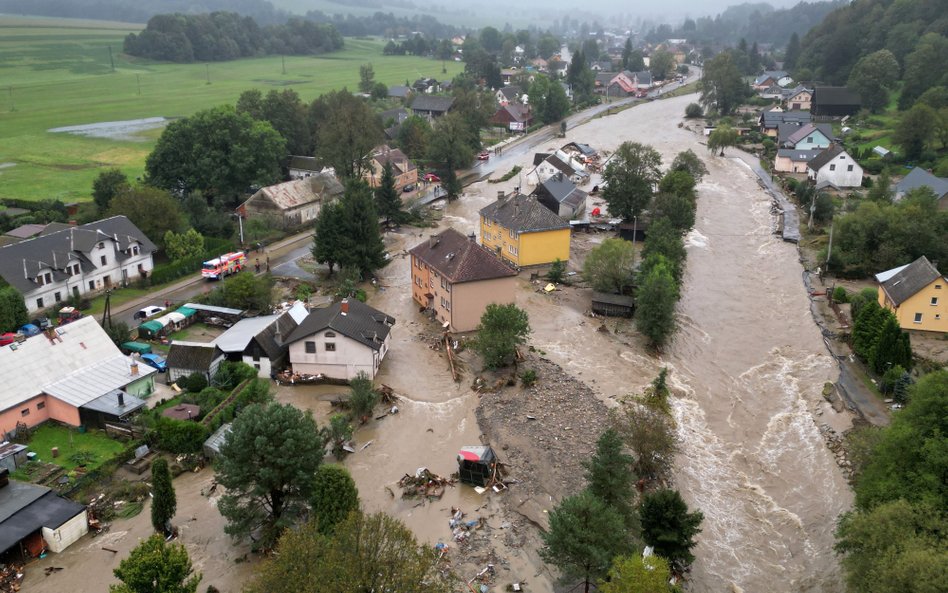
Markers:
(483, 156)
(7, 338)
(431, 178)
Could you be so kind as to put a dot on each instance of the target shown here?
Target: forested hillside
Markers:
(135, 11)
(913, 30)
(222, 36)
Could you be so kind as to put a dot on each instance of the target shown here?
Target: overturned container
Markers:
(477, 465)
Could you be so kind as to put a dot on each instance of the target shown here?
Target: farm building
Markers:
(34, 518)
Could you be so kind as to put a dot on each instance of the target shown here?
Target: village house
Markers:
(28, 231)
(547, 165)
(561, 196)
(406, 173)
(508, 94)
(621, 85)
(799, 98)
(772, 92)
(399, 92)
(508, 74)
(303, 166)
(33, 519)
(78, 260)
(602, 81)
(791, 160)
(835, 101)
(524, 232)
(340, 341)
(292, 204)
(261, 341)
(599, 66)
(187, 358)
(806, 137)
(73, 374)
(770, 120)
(455, 279)
(580, 152)
(915, 293)
(771, 77)
(919, 177)
(513, 117)
(835, 167)
(431, 107)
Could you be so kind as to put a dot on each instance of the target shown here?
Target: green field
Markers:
(56, 73)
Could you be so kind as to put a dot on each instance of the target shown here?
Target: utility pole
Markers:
(111, 59)
(829, 248)
(138, 78)
(107, 310)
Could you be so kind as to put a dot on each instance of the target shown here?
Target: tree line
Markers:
(220, 36)
(132, 11)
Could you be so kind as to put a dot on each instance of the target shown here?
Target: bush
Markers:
(693, 110)
(528, 377)
(557, 273)
(840, 295)
(195, 382)
(873, 166)
(363, 398)
(178, 436)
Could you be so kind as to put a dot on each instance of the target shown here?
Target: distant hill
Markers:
(135, 11)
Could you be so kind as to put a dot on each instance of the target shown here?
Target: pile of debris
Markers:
(424, 483)
(462, 530)
(10, 577)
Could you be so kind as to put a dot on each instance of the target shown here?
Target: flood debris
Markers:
(424, 483)
(11, 575)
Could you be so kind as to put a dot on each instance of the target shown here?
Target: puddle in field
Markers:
(115, 130)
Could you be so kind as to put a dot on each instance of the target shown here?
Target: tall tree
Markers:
(892, 348)
(328, 240)
(346, 132)
(335, 496)
(450, 149)
(691, 163)
(164, 503)
(722, 87)
(661, 64)
(649, 433)
(216, 151)
(931, 49)
(414, 134)
(873, 77)
(630, 179)
(179, 246)
(664, 239)
(792, 53)
(362, 398)
(362, 246)
(658, 293)
(669, 527)
(267, 464)
(106, 186)
(610, 478)
(155, 566)
(914, 130)
(627, 53)
(13, 311)
(609, 267)
(387, 197)
(285, 111)
(502, 329)
(141, 203)
(583, 539)
(722, 137)
(366, 78)
(678, 209)
(548, 99)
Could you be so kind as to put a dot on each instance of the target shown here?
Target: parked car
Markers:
(431, 178)
(155, 361)
(409, 188)
(148, 312)
(29, 330)
(42, 322)
(7, 338)
(483, 156)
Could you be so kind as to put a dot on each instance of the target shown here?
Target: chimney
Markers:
(4, 477)
(121, 399)
(433, 241)
(344, 306)
(133, 369)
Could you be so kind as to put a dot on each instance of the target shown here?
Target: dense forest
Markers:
(222, 36)
(386, 24)
(913, 30)
(758, 22)
(134, 11)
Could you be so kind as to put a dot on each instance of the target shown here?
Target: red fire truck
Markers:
(219, 267)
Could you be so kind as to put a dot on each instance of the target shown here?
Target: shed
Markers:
(34, 514)
(882, 152)
(187, 312)
(183, 412)
(114, 406)
(477, 465)
(212, 446)
(150, 329)
(12, 455)
(136, 347)
(612, 305)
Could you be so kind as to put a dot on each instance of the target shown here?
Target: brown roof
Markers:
(460, 259)
(292, 194)
(183, 412)
(384, 154)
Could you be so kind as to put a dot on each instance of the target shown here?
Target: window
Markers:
(330, 346)
(512, 249)
(135, 250)
(40, 405)
(73, 269)
(91, 284)
(938, 287)
(832, 167)
(444, 283)
(310, 347)
(918, 318)
(75, 290)
(445, 304)
(418, 280)
(934, 301)
(59, 297)
(487, 222)
(39, 303)
(103, 260)
(330, 334)
(809, 139)
(849, 168)
(25, 412)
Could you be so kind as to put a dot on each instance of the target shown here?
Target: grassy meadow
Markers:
(56, 72)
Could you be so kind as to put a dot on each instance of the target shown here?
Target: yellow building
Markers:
(918, 295)
(524, 232)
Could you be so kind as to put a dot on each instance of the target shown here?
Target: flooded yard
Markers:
(128, 130)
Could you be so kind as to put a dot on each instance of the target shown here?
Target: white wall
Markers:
(345, 362)
(68, 533)
(840, 175)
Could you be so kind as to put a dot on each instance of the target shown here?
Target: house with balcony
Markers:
(455, 279)
(77, 261)
(524, 232)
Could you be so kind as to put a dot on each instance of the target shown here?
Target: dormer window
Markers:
(134, 249)
(101, 245)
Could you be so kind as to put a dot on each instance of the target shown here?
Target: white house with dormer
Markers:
(834, 166)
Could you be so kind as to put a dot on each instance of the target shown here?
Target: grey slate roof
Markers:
(400, 91)
(27, 258)
(109, 404)
(771, 119)
(911, 279)
(835, 95)
(562, 190)
(511, 92)
(433, 103)
(560, 166)
(919, 177)
(460, 259)
(825, 157)
(196, 356)
(362, 323)
(807, 129)
(604, 78)
(800, 156)
(523, 214)
(774, 75)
